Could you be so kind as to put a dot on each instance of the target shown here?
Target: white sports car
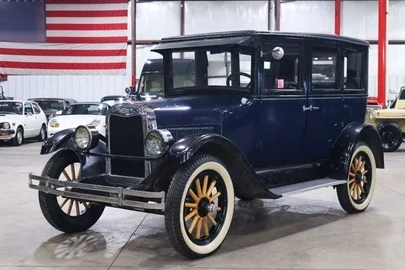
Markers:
(82, 113)
(21, 120)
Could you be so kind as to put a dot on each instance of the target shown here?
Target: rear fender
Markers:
(62, 143)
(344, 147)
(245, 180)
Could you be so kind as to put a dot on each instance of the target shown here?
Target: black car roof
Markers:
(245, 38)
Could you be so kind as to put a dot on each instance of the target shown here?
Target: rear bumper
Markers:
(114, 196)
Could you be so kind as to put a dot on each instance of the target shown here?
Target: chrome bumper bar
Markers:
(114, 195)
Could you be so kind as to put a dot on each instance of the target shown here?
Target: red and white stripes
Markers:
(82, 37)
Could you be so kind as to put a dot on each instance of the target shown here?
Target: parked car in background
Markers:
(254, 120)
(53, 106)
(21, 120)
(81, 113)
(390, 122)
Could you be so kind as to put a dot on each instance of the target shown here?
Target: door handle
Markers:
(310, 108)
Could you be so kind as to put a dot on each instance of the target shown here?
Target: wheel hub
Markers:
(203, 207)
(358, 177)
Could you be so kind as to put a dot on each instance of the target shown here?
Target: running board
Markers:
(289, 190)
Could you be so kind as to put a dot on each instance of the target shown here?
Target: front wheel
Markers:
(355, 196)
(64, 214)
(199, 207)
(391, 136)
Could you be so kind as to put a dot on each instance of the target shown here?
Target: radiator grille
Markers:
(126, 138)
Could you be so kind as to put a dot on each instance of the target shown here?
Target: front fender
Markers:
(245, 180)
(344, 147)
(63, 141)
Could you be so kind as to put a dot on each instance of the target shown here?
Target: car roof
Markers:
(246, 37)
(112, 97)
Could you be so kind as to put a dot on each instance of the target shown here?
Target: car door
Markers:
(29, 123)
(282, 101)
(325, 112)
(39, 118)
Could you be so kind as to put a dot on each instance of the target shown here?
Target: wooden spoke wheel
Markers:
(199, 207)
(65, 214)
(356, 195)
(203, 206)
(71, 207)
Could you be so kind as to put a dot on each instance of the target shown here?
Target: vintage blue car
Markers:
(262, 115)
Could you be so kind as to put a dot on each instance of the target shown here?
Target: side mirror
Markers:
(58, 113)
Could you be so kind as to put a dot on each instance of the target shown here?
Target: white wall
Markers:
(161, 19)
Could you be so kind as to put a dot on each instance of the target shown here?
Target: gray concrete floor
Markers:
(306, 231)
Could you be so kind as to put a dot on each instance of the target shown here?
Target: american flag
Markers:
(59, 37)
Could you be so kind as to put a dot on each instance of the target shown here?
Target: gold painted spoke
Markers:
(85, 205)
(191, 205)
(211, 219)
(355, 193)
(361, 189)
(72, 168)
(205, 224)
(353, 166)
(364, 172)
(359, 163)
(216, 195)
(192, 194)
(198, 185)
(77, 208)
(213, 183)
(218, 209)
(66, 175)
(193, 223)
(351, 181)
(192, 214)
(352, 174)
(198, 233)
(352, 187)
(70, 207)
(205, 184)
(64, 202)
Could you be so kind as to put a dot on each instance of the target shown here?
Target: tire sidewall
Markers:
(42, 133)
(364, 148)
(213, 245)
(17, 141)
(396, 131)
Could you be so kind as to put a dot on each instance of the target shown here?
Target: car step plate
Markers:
(306, 186)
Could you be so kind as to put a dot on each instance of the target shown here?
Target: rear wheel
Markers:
(391, 136)
(42, 134)
(355, 196)
(64, 214)
(199, 207)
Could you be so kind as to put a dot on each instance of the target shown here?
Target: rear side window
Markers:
(324, 69)
(353, 70)
(37, 110)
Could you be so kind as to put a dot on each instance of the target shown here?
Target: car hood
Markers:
(11, 118)
(67, 121)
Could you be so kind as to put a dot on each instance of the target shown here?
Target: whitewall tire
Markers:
(199, 207)
(355, 196)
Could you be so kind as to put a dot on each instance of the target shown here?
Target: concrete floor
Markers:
(306, 231)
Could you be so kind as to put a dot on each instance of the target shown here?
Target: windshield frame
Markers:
(169, 90)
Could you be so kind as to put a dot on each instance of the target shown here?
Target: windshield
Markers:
(91, 109)
(114, 101)
(151, 84)
(51, 105)
(11, 108)
(212, 68)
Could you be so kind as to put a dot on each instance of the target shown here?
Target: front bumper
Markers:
(6, 134)
(114, 196)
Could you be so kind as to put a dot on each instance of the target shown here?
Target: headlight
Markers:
(94, 123)
(54, 123)
(86, 138)
(157, 142)
(6, 125)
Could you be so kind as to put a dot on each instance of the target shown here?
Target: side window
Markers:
(353, 70)
(281, 68)
(324, 69)
(28, 108)
(37, 110)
